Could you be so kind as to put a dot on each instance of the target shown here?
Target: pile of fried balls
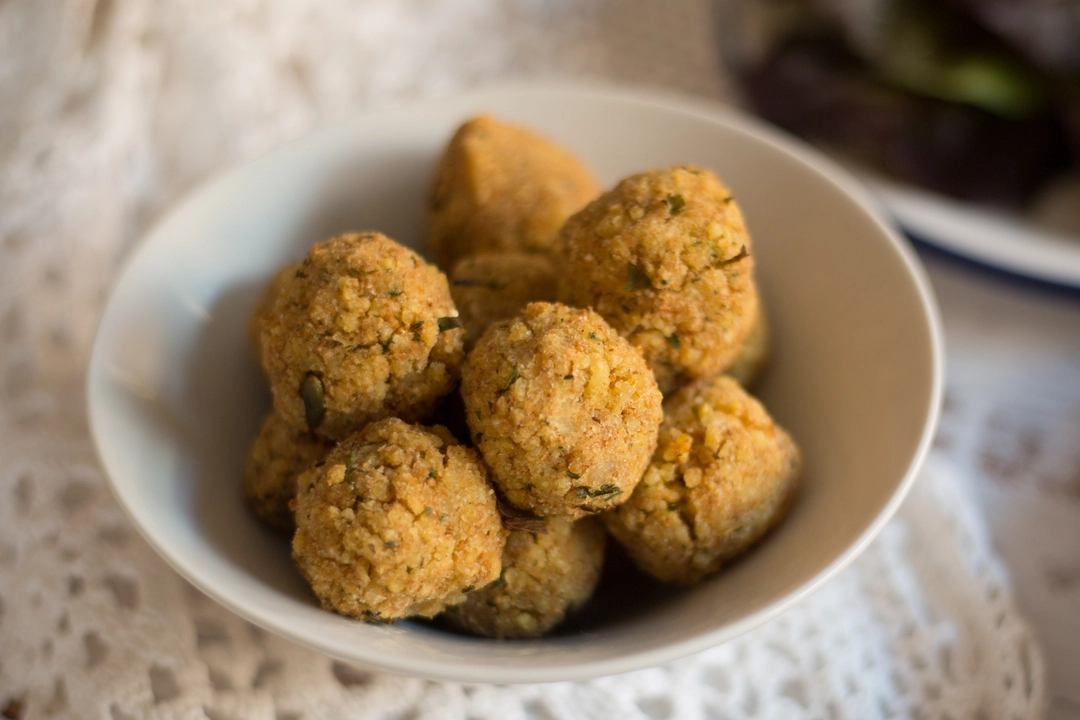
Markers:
(590, 348)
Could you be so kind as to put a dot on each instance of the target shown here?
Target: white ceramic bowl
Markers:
(175, 399)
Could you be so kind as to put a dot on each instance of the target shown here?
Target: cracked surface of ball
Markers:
(544, 577)
(666, 259)
(723, 475)
(564, 411)
(501, 187)
(365, 330)
(398, 521)
(496, 286)
(278, 456)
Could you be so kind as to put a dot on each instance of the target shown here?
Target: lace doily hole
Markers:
(163, 684)
(350, 676)
(656, 708)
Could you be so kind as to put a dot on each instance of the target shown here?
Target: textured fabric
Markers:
(109, 111)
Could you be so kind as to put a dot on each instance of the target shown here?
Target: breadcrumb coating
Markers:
(398, 521)
(564, 411)
(666, 259)
(365, 330)
(723, 475)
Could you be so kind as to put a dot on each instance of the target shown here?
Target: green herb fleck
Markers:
(675, 203)
(479, 415)
(390, 544)
(568, 377)
(743, 253)
(672, 507)
(468, 589)
(432, 474)
(636, 279)
(427, 511)
(417, 325)
(626, 309)
(605, 490)
(444, 517)
(313, 395)
(573, 475)
(449, 323)
(727, 199)
(350, 469)
(529, 487)
(395, 292)
(513, 379)
(592, 336)
(674, 341)
(479, 437)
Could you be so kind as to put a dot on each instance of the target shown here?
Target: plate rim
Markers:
(987, 236)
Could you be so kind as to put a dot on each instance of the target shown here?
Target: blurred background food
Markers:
(977, 99)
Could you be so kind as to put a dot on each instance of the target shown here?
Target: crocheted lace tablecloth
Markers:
(109, 110)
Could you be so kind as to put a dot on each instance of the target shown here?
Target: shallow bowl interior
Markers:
(175, 399)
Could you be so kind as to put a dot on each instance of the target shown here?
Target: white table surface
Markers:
(1011, 422)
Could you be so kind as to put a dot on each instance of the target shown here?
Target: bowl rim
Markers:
(662, 99)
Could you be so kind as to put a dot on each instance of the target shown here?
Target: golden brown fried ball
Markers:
(399, 520)
(564, 411)
(365, 330)
(277, 457)
(502, 187)
(497, 286)
(666, 259)
(544, 577)
(266, 306)
(753, 356)
(723, 474)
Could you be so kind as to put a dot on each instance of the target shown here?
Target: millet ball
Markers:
(722, 476)
(496, 286)
(544, 577)
(399, 520)
(365, 330)
(665, 258)
(564, 411)
(500, 187)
